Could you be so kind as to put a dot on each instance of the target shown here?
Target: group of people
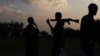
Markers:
(87, 29)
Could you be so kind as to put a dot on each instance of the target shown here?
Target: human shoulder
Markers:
(85, 18)
(28, 27)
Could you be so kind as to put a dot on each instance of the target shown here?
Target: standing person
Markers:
(31, 38)
(58, 40)
(87, 31)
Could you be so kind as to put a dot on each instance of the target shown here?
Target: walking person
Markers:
(87, 31)
(31, 38)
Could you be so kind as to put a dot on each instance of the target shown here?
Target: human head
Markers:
(30, 20)
(58, 15)
(92, 9)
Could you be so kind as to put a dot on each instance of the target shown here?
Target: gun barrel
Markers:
(77, 21)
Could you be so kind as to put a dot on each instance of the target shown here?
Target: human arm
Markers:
(48, 22)
(37, 28)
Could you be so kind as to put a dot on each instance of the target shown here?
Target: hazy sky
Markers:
(20, 10)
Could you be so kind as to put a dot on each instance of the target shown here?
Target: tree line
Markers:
(11, 30)
(16, 30)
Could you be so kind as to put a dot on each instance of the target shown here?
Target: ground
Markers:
(16, 47)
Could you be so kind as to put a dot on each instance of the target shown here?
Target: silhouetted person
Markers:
(31, 38)
(58, 40)
(87, 31)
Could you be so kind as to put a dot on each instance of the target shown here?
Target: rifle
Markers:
(67, 20)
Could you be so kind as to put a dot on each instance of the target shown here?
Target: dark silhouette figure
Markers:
(58, 40)
(31, 38)
(87, 31)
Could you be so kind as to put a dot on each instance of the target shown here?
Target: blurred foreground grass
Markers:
(18, 44)
(12, 44)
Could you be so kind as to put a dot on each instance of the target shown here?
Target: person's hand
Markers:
(68, 22)
(69, 19)
(48, 21)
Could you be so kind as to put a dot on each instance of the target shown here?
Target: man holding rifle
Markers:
(58, 40)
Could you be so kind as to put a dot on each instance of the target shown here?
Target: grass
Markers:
(14, 45)
(18, 44)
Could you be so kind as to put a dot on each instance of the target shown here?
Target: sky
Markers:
(41, 10)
